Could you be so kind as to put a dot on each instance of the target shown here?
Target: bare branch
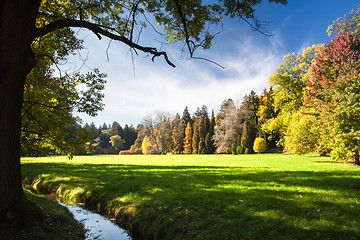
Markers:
(258, 26)
(183, 20)
(99, 31)
(208, 60)
(45, 105)
(107, 51)
(133, 19)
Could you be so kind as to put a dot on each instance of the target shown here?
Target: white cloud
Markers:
(158, 87)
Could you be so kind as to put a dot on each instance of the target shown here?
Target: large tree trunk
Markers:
(17, 26)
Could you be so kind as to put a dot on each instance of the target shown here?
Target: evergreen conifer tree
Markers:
(209, 142)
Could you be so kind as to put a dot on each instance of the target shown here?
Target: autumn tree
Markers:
(289, 83)
(350, 23)
(141, 134)
(185, 119)
(148, 147)
(159, 130)
(23, 22)
(304, 135)
(266, 112)
(334, 89)
(259, 145)
(188, 139)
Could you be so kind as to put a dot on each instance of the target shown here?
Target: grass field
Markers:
(267, 196)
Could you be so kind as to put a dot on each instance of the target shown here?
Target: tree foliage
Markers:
(334, 89)
(266, 113)
(50, 100)
(116, 142)
(148, 147)
(259, 145)
(289, 80)
(289, 83)
(177, 136)
(209, 141)
(249, 119)
(188, 139)
(303, 134)
(350, 23)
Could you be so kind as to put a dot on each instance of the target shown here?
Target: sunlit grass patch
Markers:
(267, 196)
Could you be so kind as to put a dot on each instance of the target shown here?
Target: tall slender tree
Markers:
(185, 119)
(188, 139)
(177, 137)
(227, 128)
(209, 142)
(248, 110)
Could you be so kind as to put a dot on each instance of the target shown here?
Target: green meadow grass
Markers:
(266, 196)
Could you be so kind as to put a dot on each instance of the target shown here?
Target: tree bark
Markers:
(17, 25)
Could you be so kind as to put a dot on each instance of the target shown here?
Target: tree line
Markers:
(109, 139)
(233, 130)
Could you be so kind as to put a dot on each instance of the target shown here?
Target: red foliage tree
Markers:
(334, 93)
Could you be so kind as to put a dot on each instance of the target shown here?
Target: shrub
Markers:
(128, 152)
(240, 149)
(259, 145)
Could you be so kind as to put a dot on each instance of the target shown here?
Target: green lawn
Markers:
(267, 196)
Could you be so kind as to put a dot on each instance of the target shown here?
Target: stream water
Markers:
(97, 227)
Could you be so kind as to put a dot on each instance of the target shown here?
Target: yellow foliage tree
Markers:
(146, 146)
(259, 145)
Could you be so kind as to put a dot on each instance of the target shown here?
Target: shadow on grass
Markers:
(197, 202)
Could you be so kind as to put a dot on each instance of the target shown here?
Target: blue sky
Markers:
(134, 90)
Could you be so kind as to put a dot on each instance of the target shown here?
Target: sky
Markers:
(137, 87)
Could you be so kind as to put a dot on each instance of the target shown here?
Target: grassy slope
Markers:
(59, 223)
(268, 196)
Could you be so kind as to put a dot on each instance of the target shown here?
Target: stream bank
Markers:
(97, 226)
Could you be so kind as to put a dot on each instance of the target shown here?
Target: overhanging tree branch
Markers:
(98, 31)
(183, 21)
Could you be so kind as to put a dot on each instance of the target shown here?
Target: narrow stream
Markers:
(97, 227)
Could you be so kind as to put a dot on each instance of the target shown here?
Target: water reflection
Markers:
(97, 226)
